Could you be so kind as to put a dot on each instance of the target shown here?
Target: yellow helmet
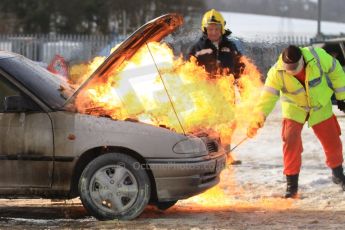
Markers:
(212, 17)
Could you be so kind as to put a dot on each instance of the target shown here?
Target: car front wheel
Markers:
(114, 186)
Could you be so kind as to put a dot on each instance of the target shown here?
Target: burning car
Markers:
(117, 167)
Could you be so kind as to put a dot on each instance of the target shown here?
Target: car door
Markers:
(26, 143)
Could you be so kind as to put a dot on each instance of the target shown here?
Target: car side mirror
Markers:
(19, 104)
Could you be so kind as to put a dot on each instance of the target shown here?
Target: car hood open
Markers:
(154, 30)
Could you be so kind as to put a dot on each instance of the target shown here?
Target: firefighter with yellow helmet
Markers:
(214, 50)
(217, 53)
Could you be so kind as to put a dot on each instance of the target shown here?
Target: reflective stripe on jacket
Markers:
(315, 98)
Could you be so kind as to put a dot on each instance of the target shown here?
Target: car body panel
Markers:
(77, 133)
(26, 148)
(195, 174)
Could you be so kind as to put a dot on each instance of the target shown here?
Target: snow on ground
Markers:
(248, 196)
(262, 166)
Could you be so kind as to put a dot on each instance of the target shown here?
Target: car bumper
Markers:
(182, 178)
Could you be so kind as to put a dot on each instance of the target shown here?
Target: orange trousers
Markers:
(328, 132)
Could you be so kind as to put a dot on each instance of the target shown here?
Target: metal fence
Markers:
(279, 38)
(263, 50)
(73, 48)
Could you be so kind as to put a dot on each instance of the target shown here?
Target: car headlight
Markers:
(190, 145)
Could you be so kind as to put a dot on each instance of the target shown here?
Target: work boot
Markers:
(291, 186)
(338, 176)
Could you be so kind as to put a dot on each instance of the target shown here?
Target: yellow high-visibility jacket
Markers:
(313, 99)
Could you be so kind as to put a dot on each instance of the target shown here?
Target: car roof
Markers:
(331, 40)
(6, 54)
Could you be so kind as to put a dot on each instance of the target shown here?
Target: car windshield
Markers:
(52, 89)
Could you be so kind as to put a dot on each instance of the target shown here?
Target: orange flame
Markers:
(230, 195)
(202, 104)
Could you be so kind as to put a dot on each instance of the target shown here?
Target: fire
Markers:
(178, 89)
(230, 195)
(79, 73)
(181, 89)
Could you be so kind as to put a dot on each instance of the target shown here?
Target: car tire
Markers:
(164, 205)
(114, 186)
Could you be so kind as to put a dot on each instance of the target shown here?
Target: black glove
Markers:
(341, 105)
(242, 67)
(238, 70)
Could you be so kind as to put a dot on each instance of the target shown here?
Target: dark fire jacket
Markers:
(225, 58)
